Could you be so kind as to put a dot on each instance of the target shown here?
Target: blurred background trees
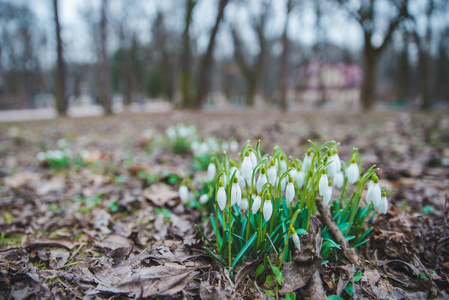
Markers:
(197, 53)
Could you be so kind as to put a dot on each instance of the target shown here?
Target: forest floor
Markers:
(99, 230)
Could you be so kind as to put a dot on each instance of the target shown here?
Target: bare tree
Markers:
(186, 59)
(366, 14)
(284, 59)
(252, 71)
(204, 76)
(60, 80)
(104, 88)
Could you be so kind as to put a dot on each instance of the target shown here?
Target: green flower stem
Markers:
(230, 234)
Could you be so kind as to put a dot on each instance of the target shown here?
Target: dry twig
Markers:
(316, 289)
(348, 251)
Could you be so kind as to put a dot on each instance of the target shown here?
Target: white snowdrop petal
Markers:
(339, 180)
(296, 241)
(376, 194)
(256, 205)
(183, 193)
(327, 196)
(383, 205)
(272, 175)
(221, 198)
(353, 173)
(323, 184)
(261, 181)
(211, 171)
(267, 210)
(290, 192)
(203, 199)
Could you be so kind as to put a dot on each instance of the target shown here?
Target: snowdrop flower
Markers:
(236, 193)
(244, 205)
(247, 168)
(224, 146)
(383, 205)
(183, 193)
(339, 180)
(299, 178)
(328, 195)
(331, 168)
(267, 208)
(272, 174)
(40, 156)
(295, 239)
(307, 161)
(353, 172)
(225, 180)
(221, 196)
(211, 169)
(262, 179)
(323, 184)
(337, 160)
(62, 143)
(256, 204)
(374, 194)
(290, 190)
(282, 165)
(203, 199)
(253, 158)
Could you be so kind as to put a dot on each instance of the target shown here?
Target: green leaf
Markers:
(300, 231)
(334, 297)
(290, 296)
(213, 256)
(259, 270)
(332, 244)
(269, 293)
(244, 249)
(278, 273)
(357, 276)
(114, 206)
(427, 209)
(349, 290)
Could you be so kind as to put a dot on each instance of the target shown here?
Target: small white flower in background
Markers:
(267, 208)
(290, 190)
(284, 183)
(323, 184)
(40, 156)
(253, 158)
(353, 172)
(221, 196)
(211, 170)
(337, 160)
(247, 168)
(183, 193)
(244, 205)
(203, 199)
(62, 143)
(256, 205)
(331, 168)
(272, 174)
(383, 205)
(234, 146)
(224, 146)
(295, 239)
(171, 133)
(262, 179)
(236, 193)
(374, 193)
(328, 195)
(339, 180)
(307, 161)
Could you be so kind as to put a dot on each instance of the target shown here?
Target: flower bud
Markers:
(328, 195)
(267, 208)
(221, 197)
(183, 193)
(296, 241)
(203, 199)
(307, 161)
(272, 174)
(256, 204)
(339, 180)
(211, 170)
(322, 186)
(353, 172)
(236, 193)
(247, 168)
(383, 205)
(337, 160)
(262, 179)
(290, 190)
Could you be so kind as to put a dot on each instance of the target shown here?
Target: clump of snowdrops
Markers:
(263, 203)
(56, 159)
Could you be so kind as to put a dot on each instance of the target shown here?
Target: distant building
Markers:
(319, 83)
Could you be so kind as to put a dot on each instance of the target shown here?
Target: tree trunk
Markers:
(368, 89)
(105, 95)
(60, 80)
(423, 66)
(284, 70)
(251, 90)
(204, 78)
(186, 65)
